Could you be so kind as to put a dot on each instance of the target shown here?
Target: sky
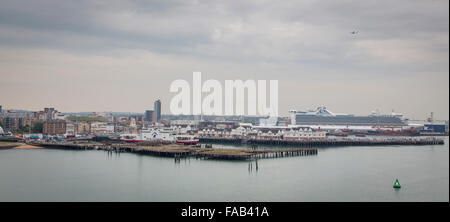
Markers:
(123, 55)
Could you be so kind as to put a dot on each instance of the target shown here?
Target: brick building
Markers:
(54, 127)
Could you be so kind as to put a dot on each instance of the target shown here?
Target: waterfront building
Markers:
(303, 133)
(157, 112)
(54, 127)
(102, 128)
(83, 128)
(70, 129)
(434, 129)
(32, 136)
(266, 133)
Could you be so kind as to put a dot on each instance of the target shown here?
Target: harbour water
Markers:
(335, 174)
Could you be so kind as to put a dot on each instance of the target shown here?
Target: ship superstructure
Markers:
(322, 116)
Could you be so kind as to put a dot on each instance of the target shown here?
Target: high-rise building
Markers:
(49, 113)
(148, 116)
(14, 123)
(157, 112)
(11, 123)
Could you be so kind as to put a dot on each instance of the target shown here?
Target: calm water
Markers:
(335, 174)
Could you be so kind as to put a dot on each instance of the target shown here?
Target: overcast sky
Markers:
(123, 55)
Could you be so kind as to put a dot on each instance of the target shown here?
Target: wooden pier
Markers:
(303, 147)
(331, 142)
(180, 151)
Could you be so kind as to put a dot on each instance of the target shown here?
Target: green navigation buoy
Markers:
(397, 184)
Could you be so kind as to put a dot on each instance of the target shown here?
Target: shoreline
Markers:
(9, 145)
(17, 145)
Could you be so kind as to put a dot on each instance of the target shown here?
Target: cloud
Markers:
(304, 42)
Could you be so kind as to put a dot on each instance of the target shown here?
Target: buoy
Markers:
(397, 184)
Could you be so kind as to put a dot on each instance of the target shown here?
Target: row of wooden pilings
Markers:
(250, 166)
(118, 149)
(330, 142)
(284, 153)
